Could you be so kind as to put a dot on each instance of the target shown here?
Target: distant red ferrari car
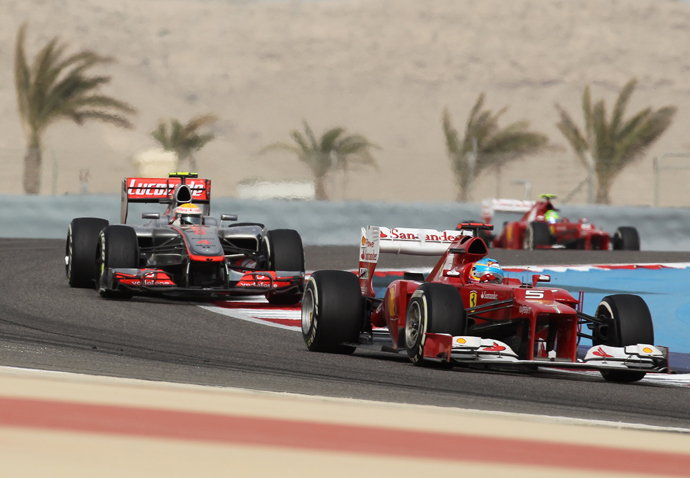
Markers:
(541, 227)
(456, 316)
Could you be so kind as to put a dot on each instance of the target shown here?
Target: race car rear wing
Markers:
(489, 206)
(166, 191)
(399, 240)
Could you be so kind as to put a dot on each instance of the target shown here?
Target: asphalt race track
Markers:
(44, 324)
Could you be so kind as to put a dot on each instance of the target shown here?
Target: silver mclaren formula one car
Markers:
(183, 251)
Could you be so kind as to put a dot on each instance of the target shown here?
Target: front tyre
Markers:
(80, 250)
(434, 308)
(629, 323)
(332, 312)
(119, 249)
(285, 253)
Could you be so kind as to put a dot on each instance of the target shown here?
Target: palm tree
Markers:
(608, 146)
(54, 88)
(185, 139)
(334, 150)
(485, 145)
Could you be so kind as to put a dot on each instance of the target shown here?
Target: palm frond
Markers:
(485, 144)
(621, 105)
(329, 140)
(301, 141)
(571, 132)
(310, 135)
(451, 134)
(81, 116)
(22, 75)
(614, 144)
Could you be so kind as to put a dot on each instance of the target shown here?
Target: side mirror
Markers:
(228, 217)
(540, 278)
(150, 215)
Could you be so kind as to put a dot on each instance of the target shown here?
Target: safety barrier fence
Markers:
(337, 222)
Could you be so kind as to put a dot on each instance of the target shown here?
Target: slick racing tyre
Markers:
(80, 251)
(434, 308)
(536, 234)
(626, 239)
(119, 248)
(630, 323)
(285, 253)
(332, 312)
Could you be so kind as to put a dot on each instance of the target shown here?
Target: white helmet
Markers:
(187, 214)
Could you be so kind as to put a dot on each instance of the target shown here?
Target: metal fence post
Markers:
(658, 166)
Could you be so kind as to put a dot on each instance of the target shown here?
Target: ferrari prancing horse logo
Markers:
(473, 299)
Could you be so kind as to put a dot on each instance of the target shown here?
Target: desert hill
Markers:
(383, 68)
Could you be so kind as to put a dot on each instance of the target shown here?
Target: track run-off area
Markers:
(179, 347)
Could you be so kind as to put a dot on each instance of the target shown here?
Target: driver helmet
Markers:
(486, 270)
(552, 216)
(187, 214)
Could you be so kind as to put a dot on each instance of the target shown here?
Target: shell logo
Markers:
(364, 240)
(647, 350)
(460, 340)
(392, 306)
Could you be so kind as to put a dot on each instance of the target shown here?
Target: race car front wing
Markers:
(472, 349)
(154, 281)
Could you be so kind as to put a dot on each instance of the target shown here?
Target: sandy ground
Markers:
(383, 68)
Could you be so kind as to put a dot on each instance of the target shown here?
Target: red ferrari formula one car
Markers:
(456, 316)
(541, 227)
(183, 252)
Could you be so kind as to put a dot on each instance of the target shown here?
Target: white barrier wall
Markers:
(335, 223)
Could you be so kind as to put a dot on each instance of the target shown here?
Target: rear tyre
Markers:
(119, 249)
(536, 234)
(630, 323)
(434, 308)
(332, 312)
(80, 251)
(626, 239)
(285, 253)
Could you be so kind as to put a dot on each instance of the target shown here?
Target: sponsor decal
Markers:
(142, 187)
(370, 251)
(495, 348)
(647, 350)
(203, 242)
(489, 295)
(523, 309)
(370, 257)
(363, 273)
(460, 341)
(445, 236)
(473, 298)
(600, 353)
